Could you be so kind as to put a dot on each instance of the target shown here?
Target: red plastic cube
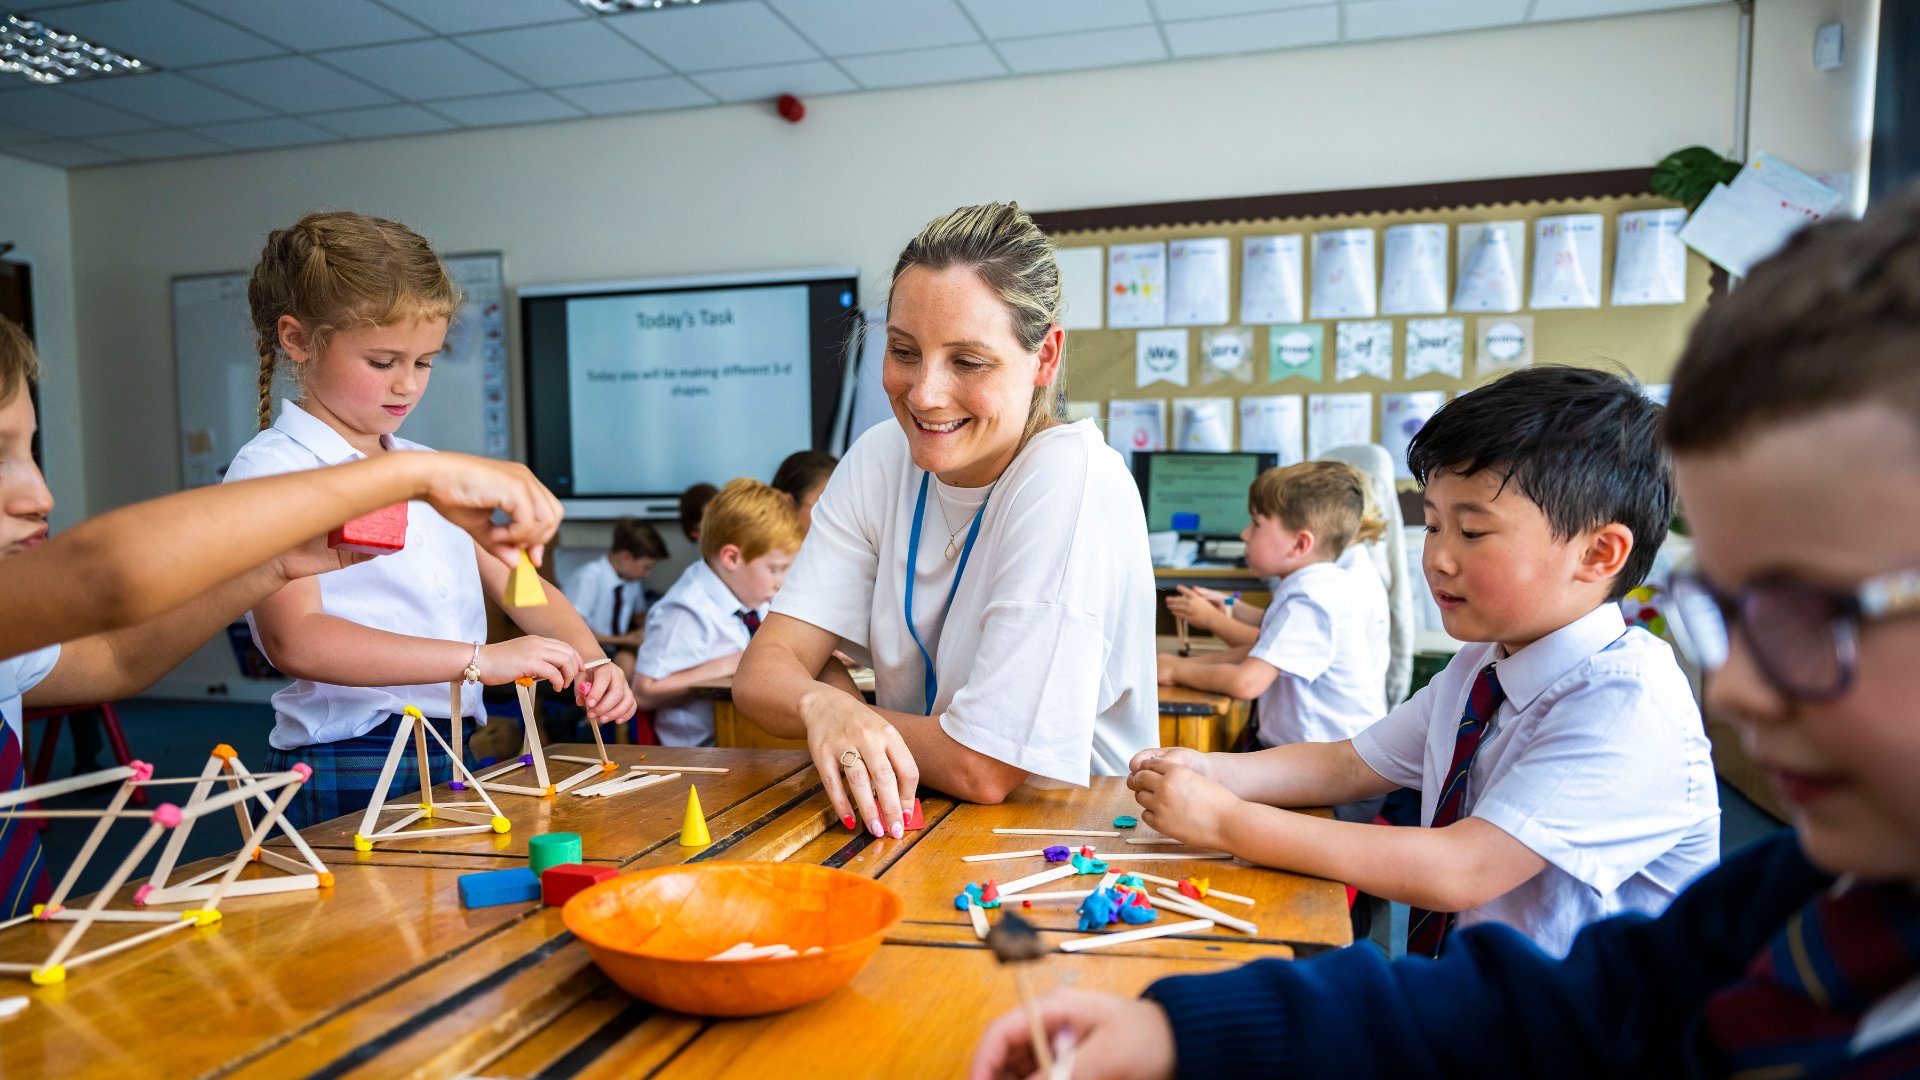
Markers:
(558, 884)
(382, 532)
(915, 819)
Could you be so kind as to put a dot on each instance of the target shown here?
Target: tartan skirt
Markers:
(346, 772)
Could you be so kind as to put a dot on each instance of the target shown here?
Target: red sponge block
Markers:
(379, 533)
(558, 884)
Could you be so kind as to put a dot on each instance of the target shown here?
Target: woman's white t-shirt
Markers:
(1045, 658)
(429, 589)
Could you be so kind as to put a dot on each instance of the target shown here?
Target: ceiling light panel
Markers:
(44, 54)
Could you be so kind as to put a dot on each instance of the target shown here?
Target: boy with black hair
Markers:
(611, 593)
(1795, 425)
(1563, 770)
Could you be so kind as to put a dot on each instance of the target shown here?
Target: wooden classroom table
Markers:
(385, 974)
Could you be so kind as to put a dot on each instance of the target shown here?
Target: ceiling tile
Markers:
(306, 26)
(260, 134)
(637, 95)
(470, 16)
(754, 84)
(1025, 18)
(494, 109)
(161, 32)
(1408, 18)
(166, 97)
(919, 67)
(851, 27)
(292, 84)
(565, 53)
(159, 144)
(1549, 10)
(1099, 48)
(56, 111)
(727, 35)
(382, 121)
(66, 155)
(421, 70)
(1208, 9)
(1253, 33)
(10, 134)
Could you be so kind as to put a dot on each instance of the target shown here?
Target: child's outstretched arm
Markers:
(652, 693)
(603, 691)
(1233, 673)
(134, 564)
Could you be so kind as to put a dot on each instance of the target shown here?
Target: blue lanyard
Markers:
(913, 560)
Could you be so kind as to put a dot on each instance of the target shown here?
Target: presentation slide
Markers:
(1212, 487)
(651, 376)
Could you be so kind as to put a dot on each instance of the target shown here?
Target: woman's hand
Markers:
(605, 694)
(1112, 1038)
(877, 783)
(1203, 608)
(536, 657)
(1180, 802)
(466, 490)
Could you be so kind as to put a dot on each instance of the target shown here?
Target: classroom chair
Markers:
(55, 716)
(1389, 556)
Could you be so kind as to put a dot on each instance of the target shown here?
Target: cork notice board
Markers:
(1645, 341)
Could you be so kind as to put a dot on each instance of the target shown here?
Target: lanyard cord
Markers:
(932, 683)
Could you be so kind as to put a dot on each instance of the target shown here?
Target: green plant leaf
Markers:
(1688, 176)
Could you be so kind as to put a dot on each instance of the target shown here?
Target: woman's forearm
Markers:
(774, 687)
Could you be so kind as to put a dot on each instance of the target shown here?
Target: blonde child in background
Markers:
(749, 535)
(359, 307)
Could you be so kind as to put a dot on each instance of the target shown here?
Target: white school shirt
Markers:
(696, 621)
(1320, 631)
(19, 674)
(590, 591)
(1045, 659)
(429, 589)
(1597, 761)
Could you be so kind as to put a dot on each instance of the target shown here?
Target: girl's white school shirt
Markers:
(430, 589)
(1045, 658)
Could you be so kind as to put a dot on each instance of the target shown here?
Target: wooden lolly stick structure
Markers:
(308, 874)
(1101, 941)
(1187, 905)
(1055, 832)
(996, 856)
(412, 722)
(53, 788)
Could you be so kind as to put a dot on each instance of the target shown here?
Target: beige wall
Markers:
(35, 218)
(1821, 121)
(734, 188)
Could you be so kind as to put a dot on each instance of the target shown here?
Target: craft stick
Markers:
(28, 812)
(1187, 904)
(519, 789)
(1224, 895)
(456, 718)
(996, 856)
(411, 817)
(1041, 878)
(1156, 878)
(598, 742)
(679, 768)
(502, 770)
(119, 916)
(121, 946)
(576, 779)
(1181, 625)
(1074, 894)
(1101, 941)
(171, 852)
(372, 816)
(38, 792)
(240, 810)
(420, 834)
(751, 951)
(1153, 840)
(1035, 1029)
(287, 792)
(270, 782)
(524, 687)
(633, 785)
(281, 862)
(979, 916)
(451, 814)
(92, 911)
(286, 827)
(1055, 832)
(1158, 857)
(460, 770)
(591, 664)
(177, 894)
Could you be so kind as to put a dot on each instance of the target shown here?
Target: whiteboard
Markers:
(217, 370)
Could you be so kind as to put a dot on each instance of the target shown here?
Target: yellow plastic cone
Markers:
(523, 585)
(693, 831)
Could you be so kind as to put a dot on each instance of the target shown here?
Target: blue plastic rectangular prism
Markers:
(496, 887)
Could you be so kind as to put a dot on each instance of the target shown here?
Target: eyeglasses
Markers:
(1805, 637)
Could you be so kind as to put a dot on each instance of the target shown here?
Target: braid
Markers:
(266, 384)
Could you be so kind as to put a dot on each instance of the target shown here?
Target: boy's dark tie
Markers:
(23, 871)
(1427, 929)
(752, 619)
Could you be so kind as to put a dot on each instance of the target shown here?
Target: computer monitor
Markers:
(1202, 495)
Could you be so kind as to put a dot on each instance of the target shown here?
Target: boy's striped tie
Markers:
(23, 872)
(1427, 929)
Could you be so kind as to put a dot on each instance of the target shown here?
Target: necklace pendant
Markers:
(951, 552)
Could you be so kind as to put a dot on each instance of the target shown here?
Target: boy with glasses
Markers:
(1795, 425)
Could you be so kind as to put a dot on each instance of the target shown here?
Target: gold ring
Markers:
(849, 757)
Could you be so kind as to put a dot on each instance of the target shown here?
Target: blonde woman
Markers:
(989, 561)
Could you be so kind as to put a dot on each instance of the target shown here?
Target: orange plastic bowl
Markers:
(651, 932)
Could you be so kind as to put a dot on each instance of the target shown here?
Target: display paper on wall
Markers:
(1490, 257)
(1082, 280)
(1160, 356)
(1073, 411)
(1435, 347)
(1294, 352)
(1401, 418)
(1203, 424)
(1197, 282)
(1270, 289)
(1274, 424)
(1363, 348)
(1343, 286)
(1503, 344)
(1226, 355)
(1566, 261)
(1414, 281)
(1649, 261)
(1136, 285)
(1338, 420)
(1739, 224)
(1134, 425)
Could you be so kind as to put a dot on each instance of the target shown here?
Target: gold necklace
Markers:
(953, 549)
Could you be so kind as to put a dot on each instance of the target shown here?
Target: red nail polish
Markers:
(847, 821)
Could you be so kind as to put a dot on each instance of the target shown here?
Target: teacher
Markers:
(989, 561)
